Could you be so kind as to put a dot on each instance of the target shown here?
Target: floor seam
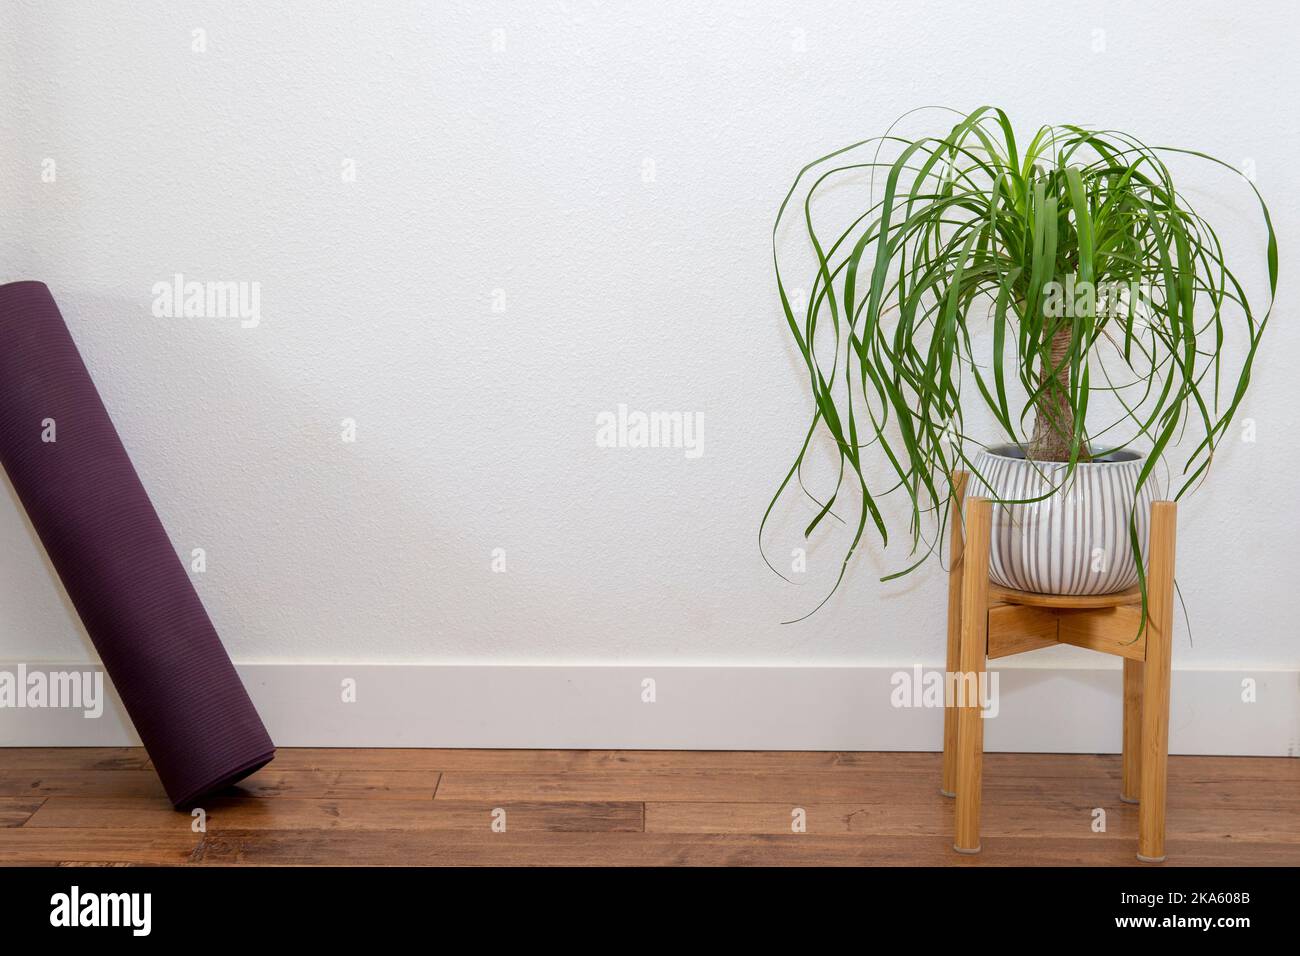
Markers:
(36, 810)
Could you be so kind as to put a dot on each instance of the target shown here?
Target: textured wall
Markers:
(546, 222)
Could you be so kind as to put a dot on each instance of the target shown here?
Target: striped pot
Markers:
(1077, 540)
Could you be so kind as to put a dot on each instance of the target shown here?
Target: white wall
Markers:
(522, 169)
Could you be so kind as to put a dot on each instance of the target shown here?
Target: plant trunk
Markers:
(1053, 418)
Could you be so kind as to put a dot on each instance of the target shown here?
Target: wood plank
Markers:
(1052, 817)
(882, 819)
(1131, 730)
(1112, 630)
(15, 811)
(289, 813)
(681, 786)
(73, 758)
(42, 783)
(1278, 796)
(340, 784)
(1157, 651)
(332, 784)
(845, 786)
(968, 787)
(1064, 601)
(38, 845)
(1236, 770)
(553, 761)
(1052, 766)
(952, 658)
(1015, 629)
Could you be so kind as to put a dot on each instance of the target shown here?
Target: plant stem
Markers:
(1053, 414)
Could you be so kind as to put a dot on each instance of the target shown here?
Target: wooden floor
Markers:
(106, 806)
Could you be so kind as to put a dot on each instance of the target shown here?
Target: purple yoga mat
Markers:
(115, 560)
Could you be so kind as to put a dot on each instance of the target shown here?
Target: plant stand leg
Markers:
(955, 564)
(1132, 730)
(974, 651)
(1155, 683)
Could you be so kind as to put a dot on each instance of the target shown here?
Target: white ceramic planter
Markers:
(1077, 540)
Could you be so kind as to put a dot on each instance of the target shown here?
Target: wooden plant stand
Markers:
(986, 621)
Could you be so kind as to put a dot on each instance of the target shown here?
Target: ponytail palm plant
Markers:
(1067, 292)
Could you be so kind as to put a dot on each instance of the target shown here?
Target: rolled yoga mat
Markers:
(116, 562)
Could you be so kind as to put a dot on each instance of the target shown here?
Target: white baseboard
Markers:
(1042, 710)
